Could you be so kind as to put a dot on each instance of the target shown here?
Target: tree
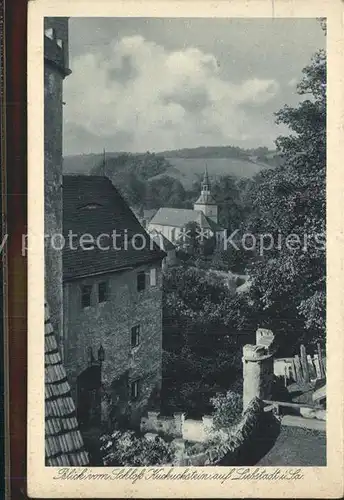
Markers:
(288, 282)
(164, 191)
(228, 409)
(189, 238)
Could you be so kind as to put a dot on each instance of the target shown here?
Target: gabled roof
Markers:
(63, 442)
(161, 240)
(179, 217)
(92, 205)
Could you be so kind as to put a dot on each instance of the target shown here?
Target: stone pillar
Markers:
(207, 425)
(258, 371)
(179, 418)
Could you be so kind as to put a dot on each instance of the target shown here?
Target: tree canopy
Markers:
(288, 281)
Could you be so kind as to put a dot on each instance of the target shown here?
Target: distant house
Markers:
(171, 221)
(167, 246)
(112, 304)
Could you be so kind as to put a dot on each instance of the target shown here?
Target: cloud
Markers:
(161, 99)
(293, 82)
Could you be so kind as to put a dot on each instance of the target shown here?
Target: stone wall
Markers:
(109, 324)
(178, 426)
(53, 81)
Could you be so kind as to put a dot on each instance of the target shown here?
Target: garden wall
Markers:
(177, 426)
(229, 447)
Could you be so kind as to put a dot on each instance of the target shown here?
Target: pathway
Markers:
(296, 446)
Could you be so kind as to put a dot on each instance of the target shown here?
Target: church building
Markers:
(171, 221)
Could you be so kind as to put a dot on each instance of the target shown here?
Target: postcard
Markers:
(184, 249)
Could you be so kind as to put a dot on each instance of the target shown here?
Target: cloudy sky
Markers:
(157, 84)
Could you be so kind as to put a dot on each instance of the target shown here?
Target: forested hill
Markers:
(260, 154)
(84, 163)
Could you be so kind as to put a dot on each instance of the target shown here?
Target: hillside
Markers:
(187, 163)
(189, 170)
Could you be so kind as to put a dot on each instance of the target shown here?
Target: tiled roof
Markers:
(179, 217)
(92, 205)
(63, 442)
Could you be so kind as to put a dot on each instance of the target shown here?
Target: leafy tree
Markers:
(288, 282)
(228, 409)
(164, 191)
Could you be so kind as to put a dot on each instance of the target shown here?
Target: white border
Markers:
(324, 482)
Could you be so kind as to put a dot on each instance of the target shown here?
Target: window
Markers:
(86, 291)
(135, 336)
(103, 291)
(135, 390)
(153, 276)
(141, 281)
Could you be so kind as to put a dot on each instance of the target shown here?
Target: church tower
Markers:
(56, 68)
(206, 202)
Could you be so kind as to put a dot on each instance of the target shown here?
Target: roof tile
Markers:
(62, 436)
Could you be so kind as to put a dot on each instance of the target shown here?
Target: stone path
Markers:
(296, 446)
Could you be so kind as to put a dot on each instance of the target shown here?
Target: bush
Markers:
(129, 450)
(228, 409)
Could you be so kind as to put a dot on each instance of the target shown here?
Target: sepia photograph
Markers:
(185, 235)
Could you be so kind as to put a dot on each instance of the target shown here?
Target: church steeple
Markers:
(205, 184)
(206, 202)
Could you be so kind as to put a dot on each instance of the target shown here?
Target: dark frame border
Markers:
(15, 82)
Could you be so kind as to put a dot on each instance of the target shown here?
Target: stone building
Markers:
(171, 221)
(63, 441)
(112, 296)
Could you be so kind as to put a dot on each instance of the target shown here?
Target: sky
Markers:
(159, 84)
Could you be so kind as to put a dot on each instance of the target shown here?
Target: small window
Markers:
(141, 281)
(135, 336)
(103, 291)
(153, 276)
(135, 390)
(86, 292)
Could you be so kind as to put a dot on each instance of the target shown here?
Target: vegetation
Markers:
(228, 409)
(261, 154)
(203, 335)
(288, 283)
(129, 450)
